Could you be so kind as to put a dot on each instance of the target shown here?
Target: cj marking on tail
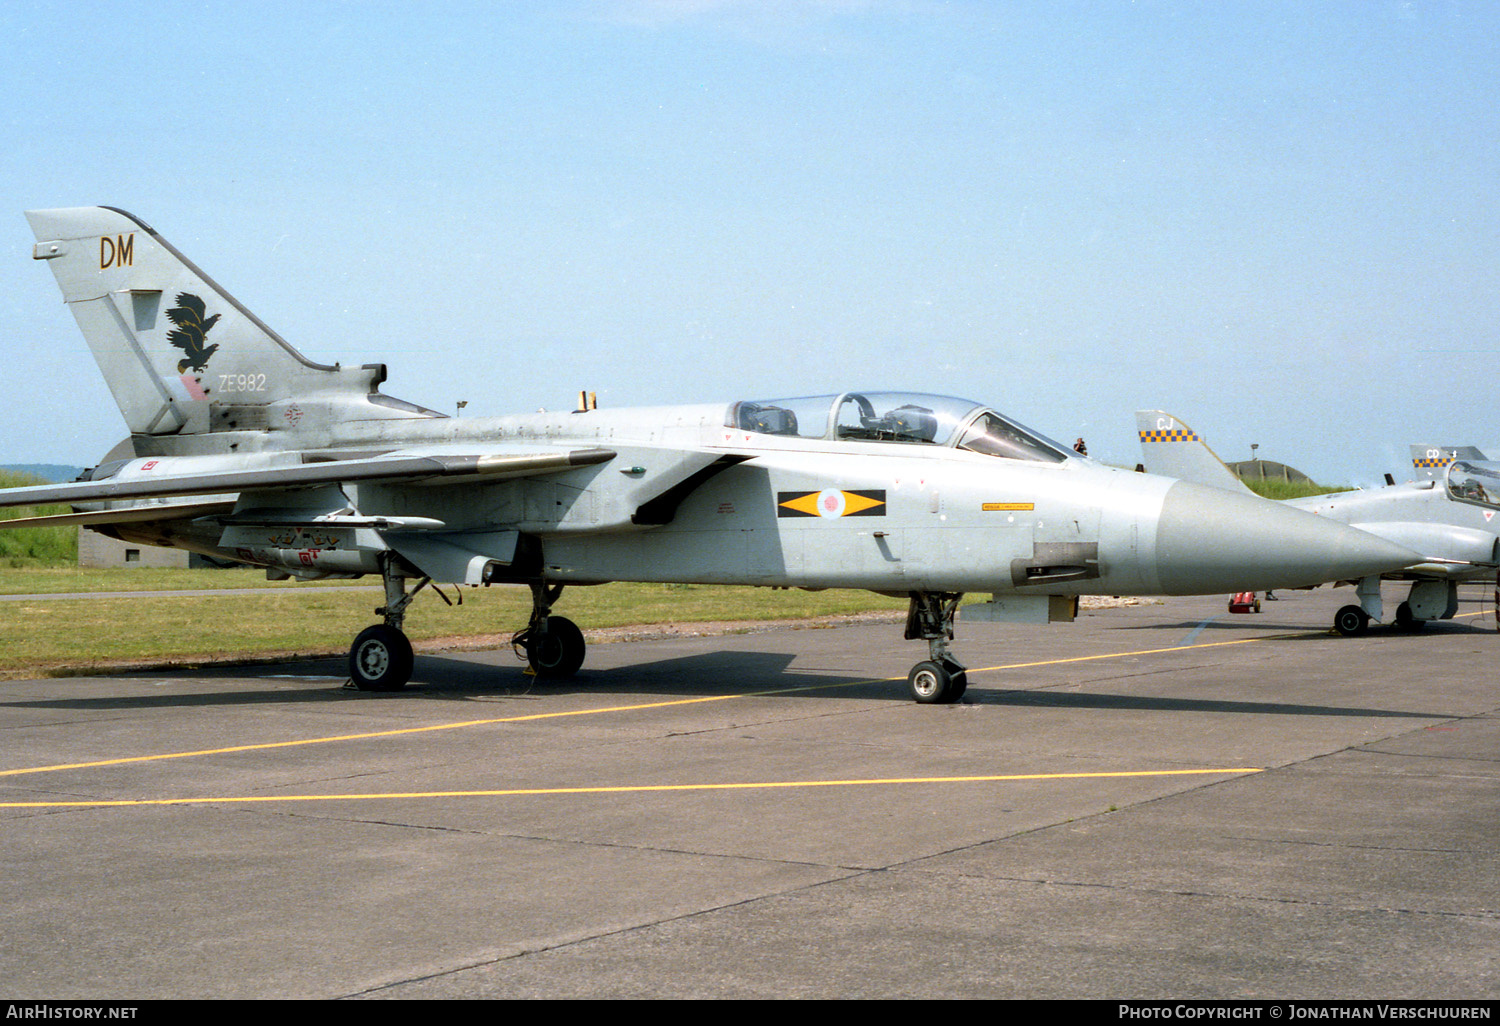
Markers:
(191, 332)
(117, 252)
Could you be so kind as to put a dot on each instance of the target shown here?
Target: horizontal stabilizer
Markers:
(434, 469)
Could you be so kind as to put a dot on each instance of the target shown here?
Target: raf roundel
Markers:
(831, 503)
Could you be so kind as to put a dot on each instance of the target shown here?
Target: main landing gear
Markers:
(1427, 600)
(553, 645)
(1352, 621)
(381, 658)
(940, 679)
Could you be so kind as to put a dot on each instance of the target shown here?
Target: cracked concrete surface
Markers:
(620, 836)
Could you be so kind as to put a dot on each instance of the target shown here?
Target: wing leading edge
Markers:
(440, 469)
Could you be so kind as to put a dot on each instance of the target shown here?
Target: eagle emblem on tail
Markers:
(191, 332)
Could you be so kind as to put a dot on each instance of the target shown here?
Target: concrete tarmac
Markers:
(1157, 801)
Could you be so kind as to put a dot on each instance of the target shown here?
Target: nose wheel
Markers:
(940, 679)
(935, 682)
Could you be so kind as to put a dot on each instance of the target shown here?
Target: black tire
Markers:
(930, 683)
(958, 684)
(380, 659)
(1351, 621)
(1405, 620)
(557, 652)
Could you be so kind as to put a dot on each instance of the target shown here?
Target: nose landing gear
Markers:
(940, 679)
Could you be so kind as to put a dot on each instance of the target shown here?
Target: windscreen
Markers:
(993, 435)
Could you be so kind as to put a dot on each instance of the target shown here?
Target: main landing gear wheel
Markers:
(380, 659)
(556, 651)
(933, 683)
(1351, 621)
(1405, 620)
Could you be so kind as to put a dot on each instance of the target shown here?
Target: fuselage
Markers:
(694, 495)
(1423, 516)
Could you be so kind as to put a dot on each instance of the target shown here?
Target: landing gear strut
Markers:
(940, 679)
(553, 645)
(381, 658)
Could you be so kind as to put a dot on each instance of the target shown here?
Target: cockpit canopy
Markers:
(1474, 482)
(910, 417)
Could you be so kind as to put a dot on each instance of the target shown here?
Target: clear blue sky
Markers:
(1277, 220)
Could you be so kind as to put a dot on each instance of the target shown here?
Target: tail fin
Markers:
(180, 354)
(1430, 462)
(1172, 449)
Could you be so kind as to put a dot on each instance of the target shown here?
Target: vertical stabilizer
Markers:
(1430, 462)
(180, 354)
(1172, 449)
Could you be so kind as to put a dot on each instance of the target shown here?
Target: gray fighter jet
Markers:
(1454, 520)
(243, 449)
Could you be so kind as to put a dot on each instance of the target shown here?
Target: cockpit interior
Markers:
(909, 417)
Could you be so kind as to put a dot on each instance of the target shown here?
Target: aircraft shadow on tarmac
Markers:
(439, 677)
(1303, 631)
(1157, 703)
(444, 678)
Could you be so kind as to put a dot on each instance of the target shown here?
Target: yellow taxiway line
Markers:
(403, 731)
(269, 745)
(626, 789)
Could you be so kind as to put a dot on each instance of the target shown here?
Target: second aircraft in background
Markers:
(1452, 519)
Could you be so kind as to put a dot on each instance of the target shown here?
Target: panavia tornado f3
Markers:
(244, 450)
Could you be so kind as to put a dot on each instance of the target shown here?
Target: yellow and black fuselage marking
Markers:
(1169, 435)
(831, 502)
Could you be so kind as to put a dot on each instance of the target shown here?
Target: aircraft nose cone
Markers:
(1209, 540)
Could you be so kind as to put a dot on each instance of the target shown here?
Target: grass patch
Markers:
(55, 580)
(35, 546)
(1271, 488)
(298, 619)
